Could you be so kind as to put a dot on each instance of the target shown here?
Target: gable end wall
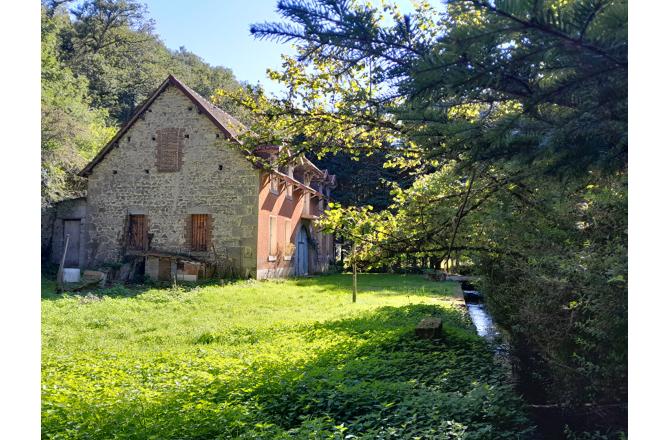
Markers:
(168, 199)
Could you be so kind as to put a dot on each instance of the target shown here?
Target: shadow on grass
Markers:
(120, 290)
(383, 284)
(376, 380)
(378, 284)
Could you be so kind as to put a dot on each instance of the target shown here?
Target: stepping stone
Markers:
(429, 328)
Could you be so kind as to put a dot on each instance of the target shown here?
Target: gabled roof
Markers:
(230, 126)
(226, 122)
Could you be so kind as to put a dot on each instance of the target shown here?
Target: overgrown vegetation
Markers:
(291, 359)
(503, 127)
(100, 60)
(511, 116)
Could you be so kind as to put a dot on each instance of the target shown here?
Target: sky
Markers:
(219, 32)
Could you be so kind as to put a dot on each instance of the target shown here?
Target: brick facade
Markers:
(291, 214)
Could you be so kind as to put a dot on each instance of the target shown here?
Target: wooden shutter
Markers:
(200, 231)
(137, 229)
(169, 149)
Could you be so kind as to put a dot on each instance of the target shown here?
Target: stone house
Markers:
(175, 196)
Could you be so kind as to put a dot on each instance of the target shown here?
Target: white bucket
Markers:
(71, 275)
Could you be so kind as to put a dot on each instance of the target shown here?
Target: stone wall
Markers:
(214, 178)
(48, 215)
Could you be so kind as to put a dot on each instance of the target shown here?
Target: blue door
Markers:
(301, 267)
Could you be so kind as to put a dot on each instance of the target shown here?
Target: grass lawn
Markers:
(284, 359)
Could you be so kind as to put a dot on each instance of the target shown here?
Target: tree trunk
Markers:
(354, 255)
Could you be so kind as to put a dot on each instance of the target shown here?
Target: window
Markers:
(288, 190)
(273, 183)
(307, 203)
(273, 239)
(200, 232)
(169, 149)
(288, 232)
(288, 248)
(137, 232)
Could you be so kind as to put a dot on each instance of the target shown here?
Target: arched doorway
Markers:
(301, 265)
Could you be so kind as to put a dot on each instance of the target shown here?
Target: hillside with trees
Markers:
(100, 60)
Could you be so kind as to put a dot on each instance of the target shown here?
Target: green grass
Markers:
(291, 359)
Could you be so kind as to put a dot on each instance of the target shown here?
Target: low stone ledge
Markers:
(429, 328)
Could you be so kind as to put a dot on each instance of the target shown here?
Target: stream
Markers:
(482, 320)
(549, 419)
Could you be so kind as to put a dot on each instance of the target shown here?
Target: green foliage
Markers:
(551, 257)
(291, 359)
(512, 118)
(566, 298)
(112, 44)
(72, 132)
(422, 219)
(100, 60)
(361, 181)
(541, 83)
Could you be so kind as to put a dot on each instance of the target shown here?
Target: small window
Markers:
(288, 232)
(273, 238)
(200, 232)
(273, 183)
(288, 190)
(307, 203)
(137, 232)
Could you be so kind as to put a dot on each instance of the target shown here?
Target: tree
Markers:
(72, 132)
(363, 180)
(540, 82)
(100, 59)
(112, 44)
(512, 116)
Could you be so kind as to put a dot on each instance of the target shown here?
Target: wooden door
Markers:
(137, 232)
(200, 232)
(73, 229)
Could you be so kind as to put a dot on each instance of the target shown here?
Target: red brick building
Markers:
(290, 200)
